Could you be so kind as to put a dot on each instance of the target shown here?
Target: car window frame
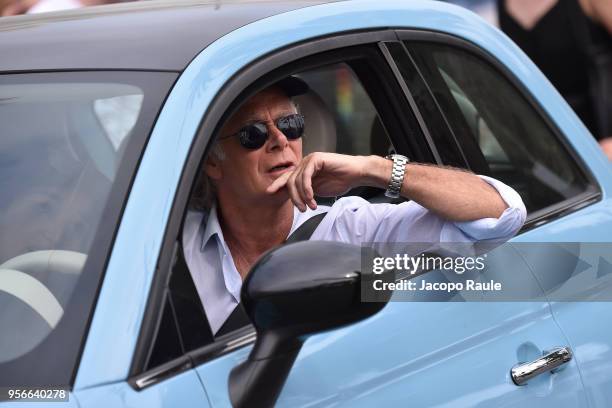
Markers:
(431, 118)
(86, 292)
(247, 82)
(593, 192)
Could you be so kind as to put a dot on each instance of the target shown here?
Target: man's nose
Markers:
(276, 139)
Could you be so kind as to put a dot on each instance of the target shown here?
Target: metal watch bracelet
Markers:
(397, 175)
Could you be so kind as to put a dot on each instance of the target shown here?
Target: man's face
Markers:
(245, 174)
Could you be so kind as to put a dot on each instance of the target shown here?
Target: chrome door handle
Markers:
(523, 372)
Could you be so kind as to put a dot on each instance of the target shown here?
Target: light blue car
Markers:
(106, 114)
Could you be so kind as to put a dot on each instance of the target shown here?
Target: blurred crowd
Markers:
(570, 41)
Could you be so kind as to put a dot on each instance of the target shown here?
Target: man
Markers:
(265, 190)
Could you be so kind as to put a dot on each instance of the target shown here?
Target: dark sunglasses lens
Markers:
(253, 136)
(292, 126)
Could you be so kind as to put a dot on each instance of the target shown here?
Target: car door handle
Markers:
(523, 372)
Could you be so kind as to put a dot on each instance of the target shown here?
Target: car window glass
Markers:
(117, 127)
(518, 146)
(63, 137)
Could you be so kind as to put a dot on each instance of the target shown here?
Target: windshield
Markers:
(63, 139)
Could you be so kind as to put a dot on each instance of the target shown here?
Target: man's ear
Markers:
(212, 167)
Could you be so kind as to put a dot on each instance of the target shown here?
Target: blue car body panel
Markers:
(117, 319)
(183, 390)
(419, 353)
(453, 353)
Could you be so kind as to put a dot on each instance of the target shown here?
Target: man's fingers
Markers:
(294, 194)
(300, 186)
(278, 183)
(297, 181)
(306, 181)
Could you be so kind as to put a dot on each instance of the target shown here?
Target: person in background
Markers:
(3, 5)
(15, 7)
(549, 31)
(486, 9)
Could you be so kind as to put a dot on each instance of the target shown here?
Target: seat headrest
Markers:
(320, 134)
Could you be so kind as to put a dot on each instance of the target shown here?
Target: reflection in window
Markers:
(60, 149)
(518, 146)
(118, 116)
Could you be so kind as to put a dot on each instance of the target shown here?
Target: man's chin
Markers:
(279, 197)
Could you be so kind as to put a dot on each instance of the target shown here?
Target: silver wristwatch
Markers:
(397, 175)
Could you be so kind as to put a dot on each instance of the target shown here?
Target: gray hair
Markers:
(217, 151)
(205, 192)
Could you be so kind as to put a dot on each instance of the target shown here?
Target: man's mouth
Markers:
(281, 167)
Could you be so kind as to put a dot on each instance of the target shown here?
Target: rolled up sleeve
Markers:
(502, 228)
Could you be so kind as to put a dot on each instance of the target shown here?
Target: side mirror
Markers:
(292, 292)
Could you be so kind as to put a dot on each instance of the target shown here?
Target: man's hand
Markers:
(322, 174)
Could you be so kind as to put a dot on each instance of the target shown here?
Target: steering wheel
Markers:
(21, 277)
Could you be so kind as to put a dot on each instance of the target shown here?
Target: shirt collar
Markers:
(212, 227)
(231, 277)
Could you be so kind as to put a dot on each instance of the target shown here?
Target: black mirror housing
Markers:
(307, 287)
(294, 291)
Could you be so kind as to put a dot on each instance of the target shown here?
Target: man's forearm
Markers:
(453, 194)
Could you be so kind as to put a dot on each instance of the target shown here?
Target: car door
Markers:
(425, 353)
(167, 381)
(567, 230)
(565, 240)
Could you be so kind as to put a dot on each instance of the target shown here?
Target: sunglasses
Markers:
(254, 136)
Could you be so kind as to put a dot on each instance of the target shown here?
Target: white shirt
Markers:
(350, 220)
